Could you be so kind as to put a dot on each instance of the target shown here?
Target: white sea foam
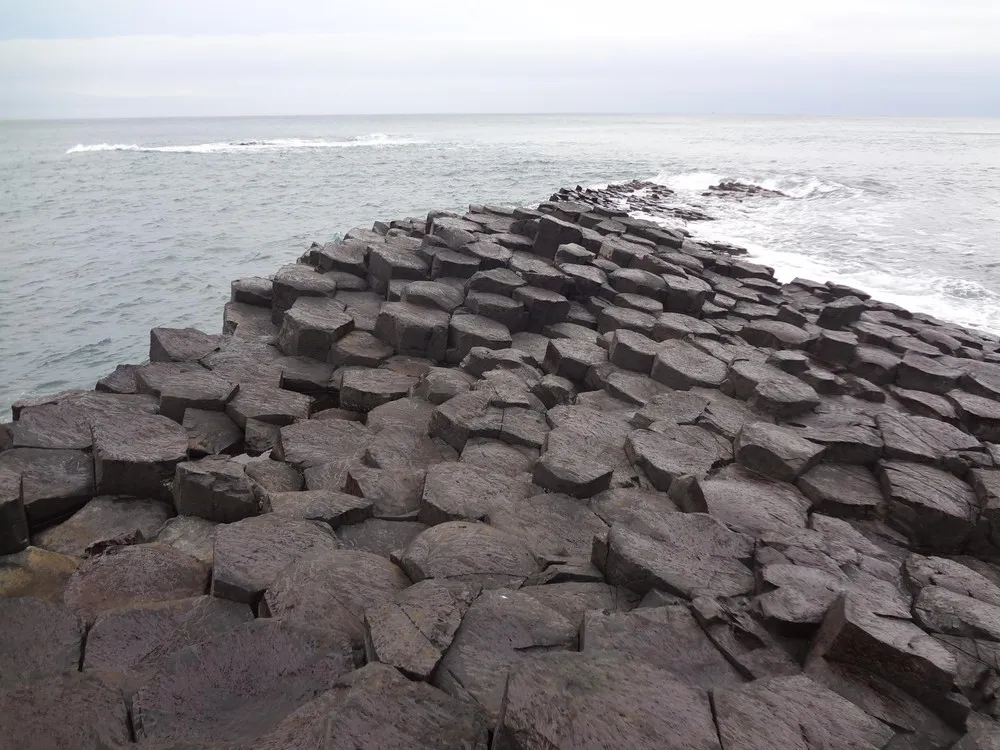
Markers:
(792, 185)
(372, 140)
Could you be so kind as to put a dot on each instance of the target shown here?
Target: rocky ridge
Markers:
(518, 479)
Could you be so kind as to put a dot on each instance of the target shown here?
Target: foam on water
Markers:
(792, 185)
(372, 140)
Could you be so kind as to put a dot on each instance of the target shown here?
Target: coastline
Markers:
(585, 435)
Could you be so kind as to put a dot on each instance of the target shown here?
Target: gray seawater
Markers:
(111, 227)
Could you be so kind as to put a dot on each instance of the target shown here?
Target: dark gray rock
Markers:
(312, 326)
(70, 711)
(582, 700)
(50, 483)
(778, 452)
(216, 489)
(268, 404)
(133, 575)
(238, 684)
(180, 344)
(921, 439)
(462, 491)
(664, 458)
(681, 366)
(933, 508)
(843, 490)
(412, 330)
(190, 535)
(249, 554)
(211, 433)
(40, 640)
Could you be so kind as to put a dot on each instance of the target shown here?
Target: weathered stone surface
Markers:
(666, 638)
(681, 366)
(311, 327)
(40, 640)
(893, 648)
(470, 552)
(935, 510)
(925, 374)
(942, 610)
(775, 334)
(632, 350)
(51, 483)
(211, 433)
(544, 307)
(601, 700)
(190, 535)
(137, 455)
(459, 490)
(770, 389)
(333, 508)
(746, 502)
(775, 451)
(216, 489)
(359, 349)
(793, 712)
(411, 715)
(380, 536)
(329, 591)
(500, 629)
(133, 575)
(553, 526)
(664, 458)
(581, 452)
(572, 359)
(104, 519)
(875, 364)
(13, 521)
(469, 331)
(295, 280)
(180, 344)
(684, 554)
(268, 404)
(685, 294)
(920, 438)
(238, 684)
(249, 554)
(68, 711)
(136, 639)
(980, 416)
(413, 330)
(842, 490)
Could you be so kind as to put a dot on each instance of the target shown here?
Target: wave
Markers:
(372, 140)
(792, 185)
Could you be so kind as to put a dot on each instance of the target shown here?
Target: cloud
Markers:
(111, 58)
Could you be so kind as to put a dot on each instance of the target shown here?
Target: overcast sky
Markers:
(113, 58)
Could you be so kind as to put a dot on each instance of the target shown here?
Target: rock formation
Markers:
(514, 479)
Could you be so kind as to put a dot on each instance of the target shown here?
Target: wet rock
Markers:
(329, 590)
(601, 700)
(180, 344)
(414, 716)
(211, 433)
(793, 712)
(612, 318)
(843, 490)
(133, 575)
(51, 483)
(490, 254)
(40, 640)
(666, 638)
(412, 330)
(71, 711)
(294, 281)
(249, 554)
(104, 519)
(931, 507)
(681, 366)
(892, 648)
(469, 552)
(501, 629)
(237, 685)
(775, 451)
(702, 557)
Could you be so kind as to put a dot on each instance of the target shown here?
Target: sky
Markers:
(135, 58)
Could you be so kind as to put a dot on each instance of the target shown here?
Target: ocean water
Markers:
(111, 227)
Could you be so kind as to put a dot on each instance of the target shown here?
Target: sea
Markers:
(111, 227)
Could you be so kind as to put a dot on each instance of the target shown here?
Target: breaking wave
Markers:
(792, 185)
(372, 140)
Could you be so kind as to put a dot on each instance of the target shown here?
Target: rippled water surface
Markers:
(112, 227)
